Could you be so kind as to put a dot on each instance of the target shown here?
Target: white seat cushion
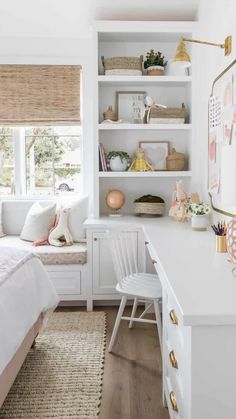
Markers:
(141, 285)
(50, 255)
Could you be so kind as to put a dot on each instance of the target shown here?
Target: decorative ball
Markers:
(115, 199)
(231, 240)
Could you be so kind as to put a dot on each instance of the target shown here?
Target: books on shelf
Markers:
(103, 166)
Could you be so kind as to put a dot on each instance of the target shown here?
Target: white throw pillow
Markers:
(1, 226)
(77, 215)
(39, 220)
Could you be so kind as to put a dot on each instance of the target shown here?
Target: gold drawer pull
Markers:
(154, 261)
(173, 317)
(173, 401)
(146, 243)
(173, 360)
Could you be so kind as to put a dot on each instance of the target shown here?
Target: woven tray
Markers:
(149, 208)
(128, 63)
(168, 113)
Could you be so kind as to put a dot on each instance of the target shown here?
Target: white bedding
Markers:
(23, 296)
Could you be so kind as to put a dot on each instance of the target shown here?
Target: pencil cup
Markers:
(221, 244)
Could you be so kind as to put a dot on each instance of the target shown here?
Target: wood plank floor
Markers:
(132, 383)
(132, 386)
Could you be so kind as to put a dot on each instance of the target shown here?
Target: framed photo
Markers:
(155, 153)
(130, 107)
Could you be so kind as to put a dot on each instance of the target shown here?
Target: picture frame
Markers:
(155, 153)
(130, 106)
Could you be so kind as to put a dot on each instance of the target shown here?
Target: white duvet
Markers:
(24, 294)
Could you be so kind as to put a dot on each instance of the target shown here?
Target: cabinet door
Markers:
(104, 279)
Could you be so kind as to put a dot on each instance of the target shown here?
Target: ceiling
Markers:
(74, 18)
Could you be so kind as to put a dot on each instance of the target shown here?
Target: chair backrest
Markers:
(124, 253)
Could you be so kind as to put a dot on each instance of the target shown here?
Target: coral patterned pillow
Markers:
(231, 240)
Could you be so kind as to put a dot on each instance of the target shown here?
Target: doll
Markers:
(139, 164)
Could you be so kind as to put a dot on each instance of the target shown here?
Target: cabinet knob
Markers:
(146, 243)
(95, 239)
(173, 360)
(173, 401)
(154, 261)
(173, 317)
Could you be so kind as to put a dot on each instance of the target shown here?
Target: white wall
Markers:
(216, 20)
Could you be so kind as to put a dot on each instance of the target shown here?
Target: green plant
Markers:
(122, 154)
(150, 198)
(197, 209)
(154, 58)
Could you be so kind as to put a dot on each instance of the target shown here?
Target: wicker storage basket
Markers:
(122, 63)
(167, 115)
(175, 161)
(149, 208)
(109, 114)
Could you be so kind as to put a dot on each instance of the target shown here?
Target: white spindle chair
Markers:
(131, 283)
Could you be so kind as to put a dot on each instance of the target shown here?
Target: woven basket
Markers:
(109, 114)
(149, 208)
(122, 63)
(168, 113)
(175, 161)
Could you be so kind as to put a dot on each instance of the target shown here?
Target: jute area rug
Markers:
(62, 376)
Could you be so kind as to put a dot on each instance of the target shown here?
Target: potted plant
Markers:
(155, 63)
(199, 215)
(118, 160)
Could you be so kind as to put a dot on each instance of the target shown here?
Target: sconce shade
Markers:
(181, 53)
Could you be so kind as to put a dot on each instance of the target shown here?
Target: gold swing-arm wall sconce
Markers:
(182, 55)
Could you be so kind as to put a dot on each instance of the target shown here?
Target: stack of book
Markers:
(103, 166)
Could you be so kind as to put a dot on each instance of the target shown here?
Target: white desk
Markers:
(199, 286)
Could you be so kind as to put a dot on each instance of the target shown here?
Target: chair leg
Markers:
(117, 322)
(158, 319)
(135, 305)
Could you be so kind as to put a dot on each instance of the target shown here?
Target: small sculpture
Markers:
(179, 201)
(139, 164)
(60, 235)
(115, 200)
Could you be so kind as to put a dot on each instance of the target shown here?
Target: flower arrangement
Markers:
(197, 209)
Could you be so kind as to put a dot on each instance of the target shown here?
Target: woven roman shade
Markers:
(39, 94)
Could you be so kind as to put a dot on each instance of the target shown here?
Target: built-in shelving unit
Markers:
(118, 38)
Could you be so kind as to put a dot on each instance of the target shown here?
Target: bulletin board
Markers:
(221, 132)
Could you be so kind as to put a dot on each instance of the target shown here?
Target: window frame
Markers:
(19, 179)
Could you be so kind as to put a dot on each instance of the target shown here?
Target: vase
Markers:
(155, 70)
(117, 165)
(199, 222)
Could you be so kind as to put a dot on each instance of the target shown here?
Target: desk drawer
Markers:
(66, 282)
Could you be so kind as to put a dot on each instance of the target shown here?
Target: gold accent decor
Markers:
(173, 360)
(181, 52)
(146, 243)
(173, 401)
(173, 317)
(154, 261)
(221, 246)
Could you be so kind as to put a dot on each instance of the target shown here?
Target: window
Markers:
(40, 160)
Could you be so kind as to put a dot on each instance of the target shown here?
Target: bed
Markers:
(27, 297)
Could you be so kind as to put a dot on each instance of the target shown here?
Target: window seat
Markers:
(51, 255)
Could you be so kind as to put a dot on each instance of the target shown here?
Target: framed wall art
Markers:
(222, 142)
(155, 153)
(130, 107)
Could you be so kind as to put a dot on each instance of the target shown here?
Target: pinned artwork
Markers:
(214, 112)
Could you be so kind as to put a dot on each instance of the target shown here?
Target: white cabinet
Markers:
(103, 275)
(104, 280)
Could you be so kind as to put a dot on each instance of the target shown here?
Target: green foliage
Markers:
(122, 154)
(5, 142)
(154, 58)
(150, 198)
(44, 149)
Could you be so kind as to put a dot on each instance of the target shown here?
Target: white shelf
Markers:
(139, 80)
(155, 127)
(164, 173)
